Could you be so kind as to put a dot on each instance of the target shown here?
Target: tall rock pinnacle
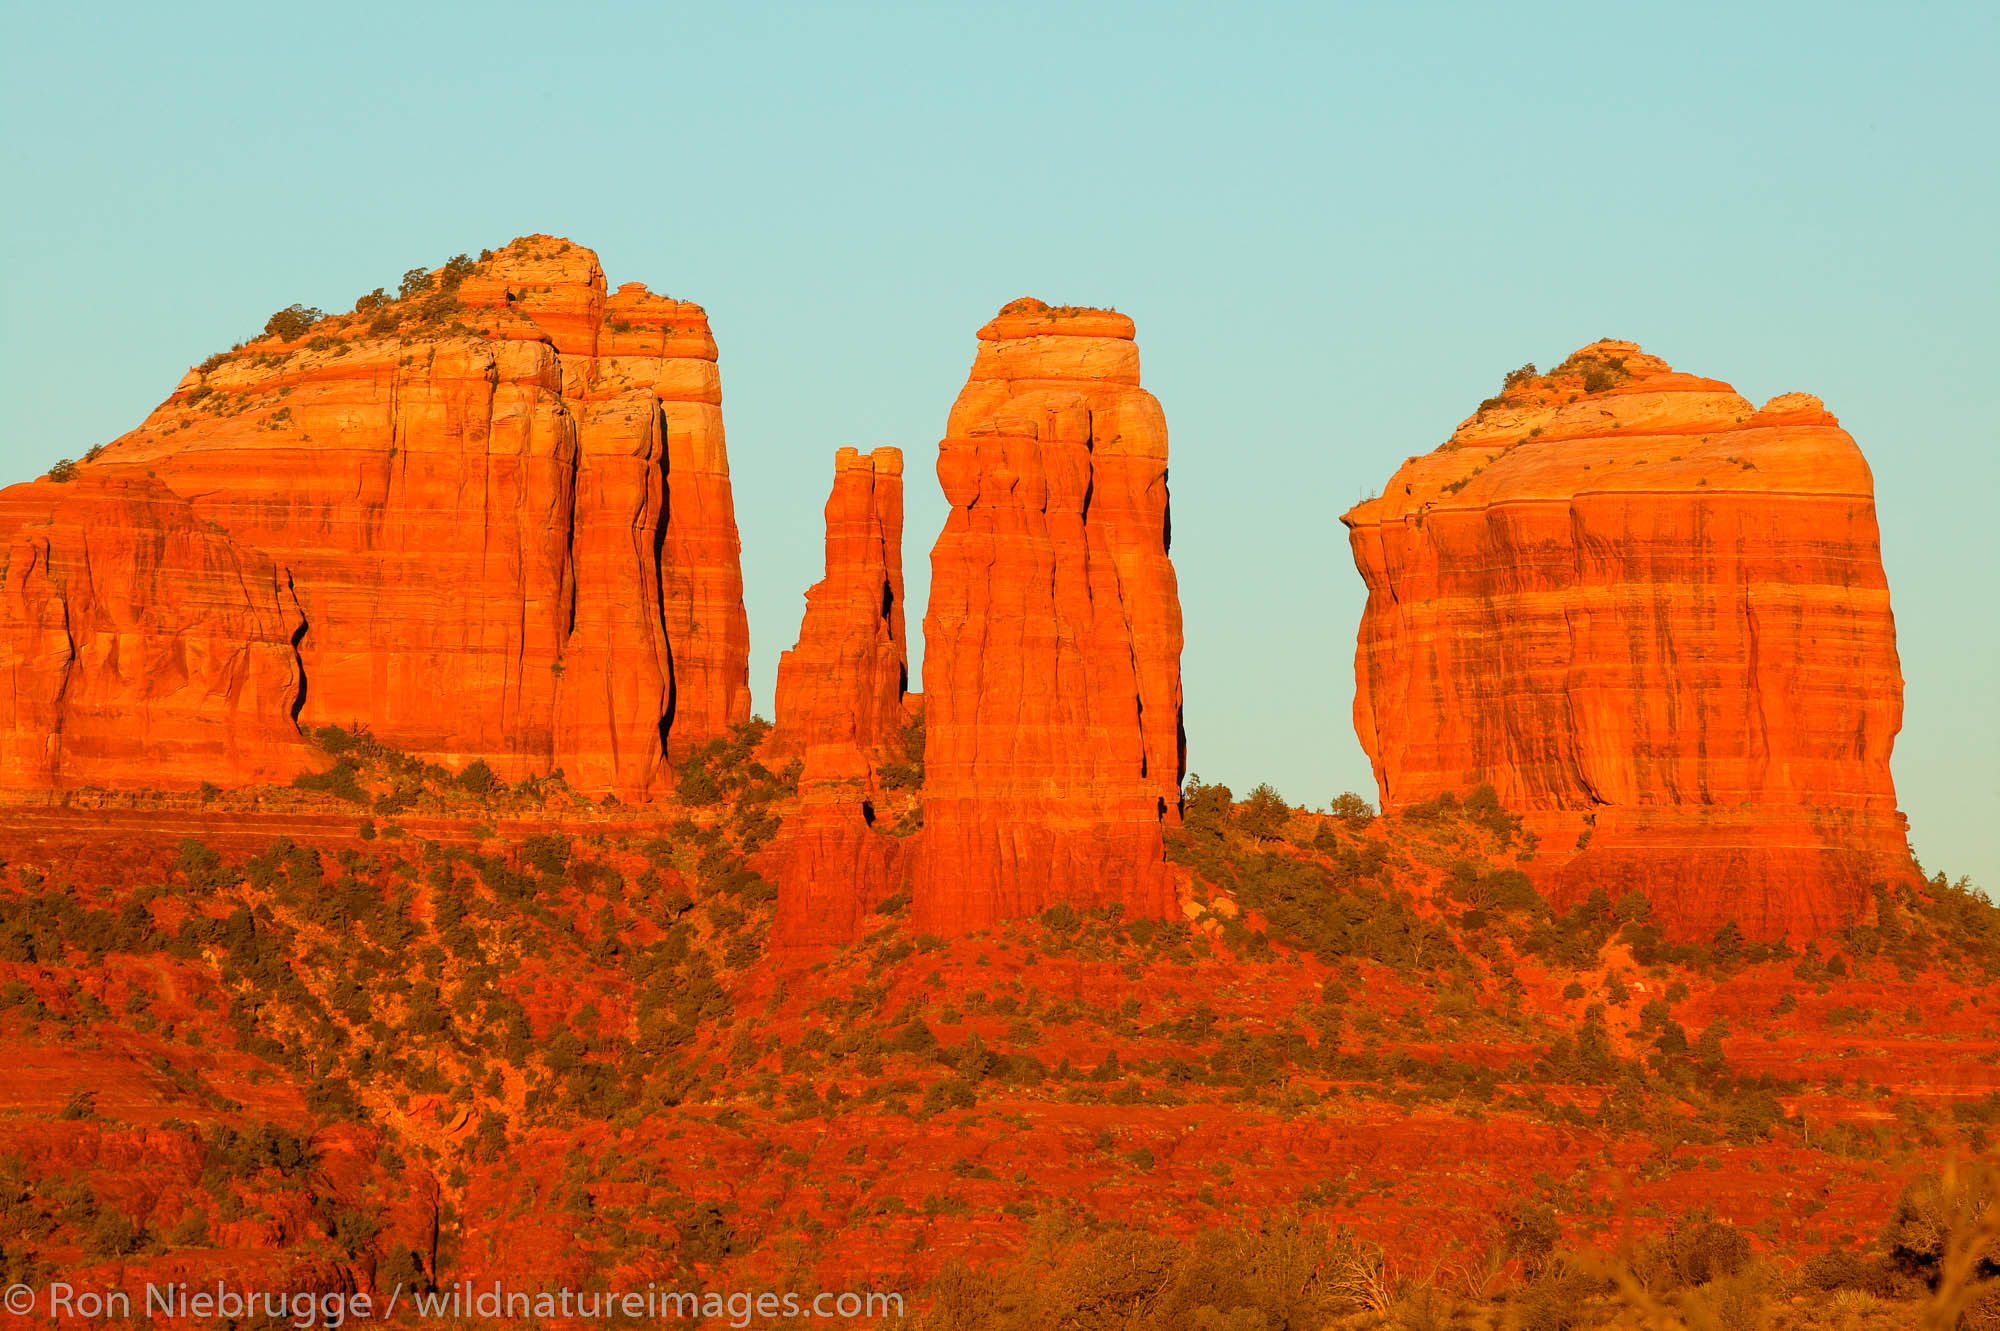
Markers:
(1054, 752)
(840, 707)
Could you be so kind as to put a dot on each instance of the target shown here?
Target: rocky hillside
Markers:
(516, 1034)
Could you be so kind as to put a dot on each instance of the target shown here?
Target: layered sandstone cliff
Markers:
(840, 709)
(502, 505)
(1053, 752)
(135, 637)
(1654, 617)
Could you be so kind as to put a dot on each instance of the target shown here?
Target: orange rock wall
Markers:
(840, 709)
(511, 535)
(1654, 617)
(1054, 751)
(137, 644)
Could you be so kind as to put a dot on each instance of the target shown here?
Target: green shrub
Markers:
(908, 774)
(292, 322)
(114, 1235)
(191, 1230)
(1695, 1249)
(1206, 807)
(342, 781)
(1352, 810)
(477, 778)
(1264, 813)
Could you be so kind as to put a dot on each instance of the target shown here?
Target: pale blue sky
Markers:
(1336, 227)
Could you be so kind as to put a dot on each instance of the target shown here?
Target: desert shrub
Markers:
(706, 1235)
(1598, 372)
(455, 271)
(191, 1230)
(1738, 1301)
(1434, 810)
(1575, 938)
(63, 471)
(1695, 1249)
(1529, 1235)
(477, 778)
(1482, 809)
(547, 853)
(1264, 813)
(726, 768)
(113, 1234)
(1306, 908)
(1937, 1207)
(342, 781)
(336, 740)
(1556, 1300)
(1352, 810)
(203, 867)
(414, 281)
(402, 1268)
(1839, 1268)
(1206, 807)
(1502, 890)
(908, 774)
(292, 322)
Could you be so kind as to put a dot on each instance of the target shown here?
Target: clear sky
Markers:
(1336, 227)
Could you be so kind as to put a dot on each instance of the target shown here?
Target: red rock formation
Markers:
(840, 708)
(1655, 619)
(139, 647)
(504, 506)
(840, 689)
(1053, 752)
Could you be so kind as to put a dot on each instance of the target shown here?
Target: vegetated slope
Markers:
(528, 1047)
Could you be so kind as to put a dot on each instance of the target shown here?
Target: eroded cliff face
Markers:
(841, 695)
(502, 504)
(1654, 617)
(139, 646)
(1053, 751)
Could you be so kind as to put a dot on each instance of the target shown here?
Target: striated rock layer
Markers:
(1053, 749)
(135, 638)
(840, 709)
(502, 504)
(1654, 617)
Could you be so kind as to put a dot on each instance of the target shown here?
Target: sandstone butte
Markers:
(1654, 618)
(1053, 746)
(841, 709)
(490, 521)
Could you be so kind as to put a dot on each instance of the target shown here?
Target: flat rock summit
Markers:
(1654, 618)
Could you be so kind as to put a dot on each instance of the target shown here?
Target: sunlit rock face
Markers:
(499, 509)
(1654, 618)
(1052, 691)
